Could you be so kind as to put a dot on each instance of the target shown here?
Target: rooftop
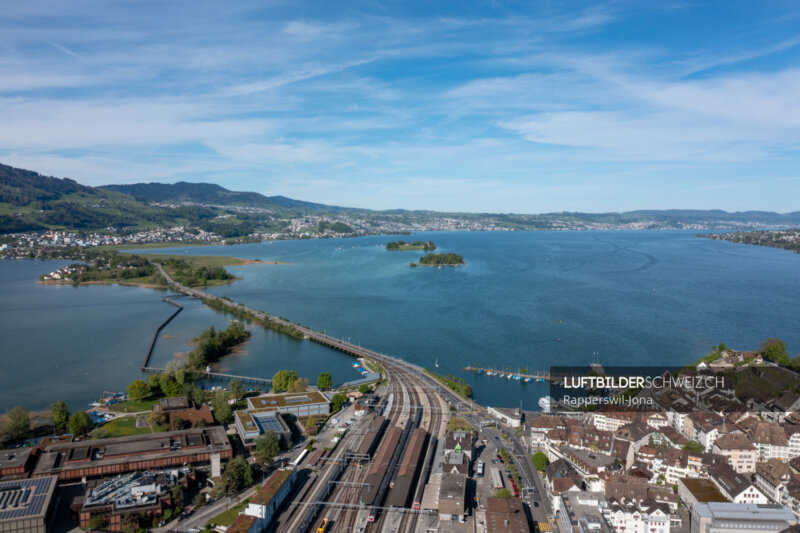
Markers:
(506, 515)
(14, 458)
(25, 498)
(703, 490)
(271, 487)
(292, 399)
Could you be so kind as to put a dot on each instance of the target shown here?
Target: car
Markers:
(494, 461)
(535, 503)
(499, 458)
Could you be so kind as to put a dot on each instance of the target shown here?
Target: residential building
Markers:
(734, 486)
(639, 516)
(583, 512)
(771, 477)
(506, 515)
(741, 453)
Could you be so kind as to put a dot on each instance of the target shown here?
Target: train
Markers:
(379, 469)
(299, 458)
(323, 527)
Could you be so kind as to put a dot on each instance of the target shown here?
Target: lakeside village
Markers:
(714, 460)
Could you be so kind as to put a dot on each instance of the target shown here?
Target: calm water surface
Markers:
(524, 299)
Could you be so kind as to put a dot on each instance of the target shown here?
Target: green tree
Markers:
(775, 350)
(311, 425)
(19, 421)
(693, 446)
(364, 388)
(157, 417)
(138, 390)
(267, 447)
(540, 461)
(177, 495)
(283, 379)
(60, 411)
(325, 381)
(154, 382)
(80, 424)
(338, 401)
(502, 493)
(222, 409)
(298, 385)
(236, 388)
(236, 476)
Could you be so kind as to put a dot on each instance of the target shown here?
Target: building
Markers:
(740, 518)
(734, 486)
(453, 497)
(639, 516)
(510, 417)
(265, 504)
(461, 442)
(312, 403)
(140, 493)
(741, 453)
(506, 515)
(119, 455)
(771, 477)
(694, 491)
(252, 423)
(26, 505)
(583, 512)
(17, 462)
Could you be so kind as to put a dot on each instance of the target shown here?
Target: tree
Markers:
(19, 421)
(80, 424)
(157, 417)
(338, 401)
(175, 371)
(311, 425)
(283, 379)
(154, 382)
(237, 475)
(502, 493)
(325, 381)
(540, 461)
(693, 446)
(364, 388)
(267, 447)
(60, 411)
(298, 385)
(138, 390)
(775, 350)
(236, 388)
(177, 496)
(222, 409)
(169, 386)
(179, 424)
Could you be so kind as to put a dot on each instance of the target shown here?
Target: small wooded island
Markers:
(416, 245)
(449, 259)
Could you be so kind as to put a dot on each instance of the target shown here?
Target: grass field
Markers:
(124, 427)
(201, 260)
(226, 518)
(133, 406)
(457, 423)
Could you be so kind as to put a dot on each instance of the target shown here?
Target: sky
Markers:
(519, 106)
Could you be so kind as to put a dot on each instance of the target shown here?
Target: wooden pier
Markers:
(158, 330)
(535, 376)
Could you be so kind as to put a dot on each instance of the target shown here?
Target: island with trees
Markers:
(425, 246)
(435, 260)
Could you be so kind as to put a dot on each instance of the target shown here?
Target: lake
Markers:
(523, 299)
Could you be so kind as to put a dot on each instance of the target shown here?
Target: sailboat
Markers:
(437, 362)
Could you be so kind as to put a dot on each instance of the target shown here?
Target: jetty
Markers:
(218, 375)
(153, 342)
(527, 377)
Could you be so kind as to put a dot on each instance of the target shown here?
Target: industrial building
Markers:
(26, 505)
(716, 517)
(119, 455)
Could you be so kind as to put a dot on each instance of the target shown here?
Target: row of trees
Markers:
(18, 424)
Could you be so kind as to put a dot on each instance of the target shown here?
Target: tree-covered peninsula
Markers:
(425, 246)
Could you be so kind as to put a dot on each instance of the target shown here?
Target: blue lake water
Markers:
(632, 297)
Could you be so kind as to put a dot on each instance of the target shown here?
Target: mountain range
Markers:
(30, 201)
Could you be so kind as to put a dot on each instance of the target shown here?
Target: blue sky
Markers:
(521, 107)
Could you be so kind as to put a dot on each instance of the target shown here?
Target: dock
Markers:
(529, 377)
(219, 375)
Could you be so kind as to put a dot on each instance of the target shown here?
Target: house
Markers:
(638, 434)
(769, 439)
(506, 515)
(582, 512)
(561, 478)
(639, 516)
(739, 450)
(771, 477)
(734, 486)
(453, 497)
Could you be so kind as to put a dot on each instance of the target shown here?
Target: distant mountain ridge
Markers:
(30, 201)
(210, 194)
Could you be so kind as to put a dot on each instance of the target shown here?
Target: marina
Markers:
(537, 376)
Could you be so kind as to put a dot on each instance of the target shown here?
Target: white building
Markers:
(718, 517)
(633, 516)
